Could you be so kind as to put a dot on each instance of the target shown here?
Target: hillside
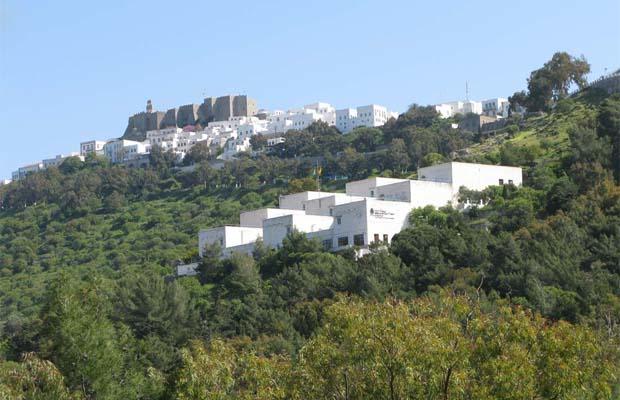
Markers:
(87, 251)
(545, 137)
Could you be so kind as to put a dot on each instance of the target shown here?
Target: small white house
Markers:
(56, 161)
(496, 107)
(120, 150)
(92, 146)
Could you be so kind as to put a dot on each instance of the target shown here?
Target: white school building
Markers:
(370, 210)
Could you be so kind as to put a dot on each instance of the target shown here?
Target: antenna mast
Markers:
(466, 90)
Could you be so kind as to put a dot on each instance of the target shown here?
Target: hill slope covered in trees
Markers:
(518, 299)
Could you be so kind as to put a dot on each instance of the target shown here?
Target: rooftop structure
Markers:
(371, 210)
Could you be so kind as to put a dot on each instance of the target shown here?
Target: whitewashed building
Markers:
(92, 146)
(26, 169)
(497, 107)
(177, 140)
(56, 161)
(234, 146)
(274, 141)
(119, 150)
(233, 135)
(277, 122)
(370, 210)
(450, 109)
(372, 115)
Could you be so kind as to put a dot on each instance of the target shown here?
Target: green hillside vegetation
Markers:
(541, 138)
(517, 299)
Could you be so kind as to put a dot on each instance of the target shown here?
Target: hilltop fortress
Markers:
(212, 109)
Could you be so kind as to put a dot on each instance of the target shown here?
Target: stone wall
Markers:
(212, 109)
(187, 115)
(609, 83)
(140, 123)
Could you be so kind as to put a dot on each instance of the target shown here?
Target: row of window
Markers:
(358, 240)
(510, 182)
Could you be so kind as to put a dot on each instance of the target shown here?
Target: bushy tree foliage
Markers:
(552, 82)
(200, 152)
(449, 348)
(609, 126)
(437, 347)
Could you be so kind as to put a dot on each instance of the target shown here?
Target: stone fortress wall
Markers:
(212, 109)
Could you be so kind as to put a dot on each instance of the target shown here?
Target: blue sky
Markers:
(75, 70)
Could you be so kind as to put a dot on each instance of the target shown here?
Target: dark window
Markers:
(338, 220)
(377, 238)
(385, 238)
(343, 241)
(372, 193)
(327, 244)
(331, 211)
(510, 182)
(358, 240)
(501, 181)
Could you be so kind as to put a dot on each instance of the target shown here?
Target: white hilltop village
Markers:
(230, 130)
(229, 133)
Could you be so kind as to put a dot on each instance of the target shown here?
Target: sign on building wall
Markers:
(381, 214)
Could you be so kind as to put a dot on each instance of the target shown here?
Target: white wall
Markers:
(418, 193)
(436, 173)
(296, 201)
(247, 249)
(276, 229)
(385, 218)
(367, 187)
(92, 146)
(495, 107)
(119, 150)
(346, 119)
(228, 236)
(371, 115)
(349, 220)
(56, 161)
(369, 217)
(480, 176)
(472, 176)
(255, 218)
(472, 107)
(325, 205)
